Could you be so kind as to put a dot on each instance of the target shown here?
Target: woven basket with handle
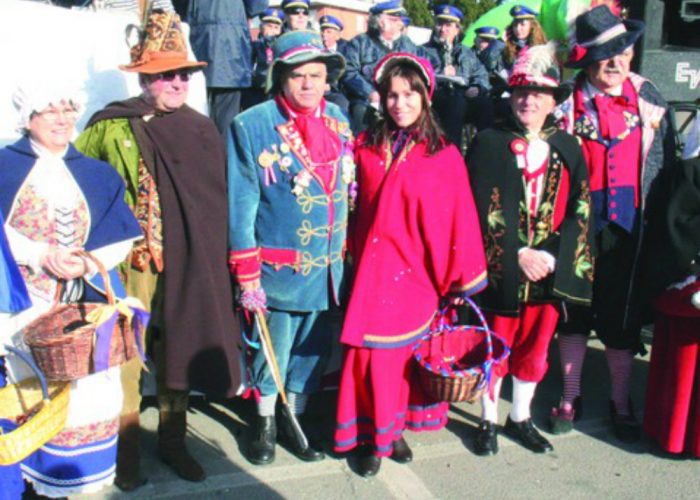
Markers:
(39, 409)
(456, 360)
(62, 340)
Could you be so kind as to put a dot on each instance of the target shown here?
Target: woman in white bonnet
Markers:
(55, 203)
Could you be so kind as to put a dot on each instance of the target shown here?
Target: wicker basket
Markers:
(39, 409)
(456, 361)
(62, 340)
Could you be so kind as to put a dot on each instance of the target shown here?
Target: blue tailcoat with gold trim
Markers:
(293, 241)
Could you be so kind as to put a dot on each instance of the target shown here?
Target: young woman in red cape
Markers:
(415, 239)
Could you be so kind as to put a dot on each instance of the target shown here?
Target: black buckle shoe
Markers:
(526, 434)
(625, 427)
(401, 453)
(368, 463)
(486, 439)
(261, 450)
(289, 438)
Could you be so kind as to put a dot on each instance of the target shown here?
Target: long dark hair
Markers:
(425, 129)
(536, 37)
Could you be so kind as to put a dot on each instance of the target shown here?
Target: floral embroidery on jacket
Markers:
(496, 229)
(583, 260)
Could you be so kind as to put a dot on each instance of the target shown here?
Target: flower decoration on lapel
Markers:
(301, 182)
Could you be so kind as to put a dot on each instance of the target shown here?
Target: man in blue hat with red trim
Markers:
(385, 34)
(291, 172)
(621, 120)
(461, 95)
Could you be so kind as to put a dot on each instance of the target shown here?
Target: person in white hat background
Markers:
(621, 121)
(57, 203)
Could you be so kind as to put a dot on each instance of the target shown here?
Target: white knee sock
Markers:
(489, 407)
(523, 392)
(266, 405)
(297, 402)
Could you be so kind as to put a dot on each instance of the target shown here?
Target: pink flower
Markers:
(577, 53)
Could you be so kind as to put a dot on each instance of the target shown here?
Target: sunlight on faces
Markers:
(531, 107)
(447, 30)
(271, 29)
(330, 37)
(164, 92)
(53, 126)
(610, 73)
(522, 28)
(303, 85)
(403, 103)
(390, 26)
(298, 19)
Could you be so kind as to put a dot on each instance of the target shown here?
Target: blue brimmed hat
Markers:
(448, 13)
(330, 22)
(522, 12)
(272, 15)
(392, 8)
(296, 4)
(299, 47)
(600, 35)
(488, 32)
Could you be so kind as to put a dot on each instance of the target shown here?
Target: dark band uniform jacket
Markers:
(562, 225)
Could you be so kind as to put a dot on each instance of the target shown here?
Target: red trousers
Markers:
(528, 336)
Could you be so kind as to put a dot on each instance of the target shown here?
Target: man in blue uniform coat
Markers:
(270, 28)
(384, 35)
(290, 173)
(331, 28)
(461, 95)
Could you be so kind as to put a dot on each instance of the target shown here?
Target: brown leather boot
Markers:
(128, 454)
(172, 428)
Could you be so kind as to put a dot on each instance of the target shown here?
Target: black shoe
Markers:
(561, 422)
(368, 463)
(625, 427)
(261, 450)
(526, 434)
(401, 454)
(289, 438)
(486, 439)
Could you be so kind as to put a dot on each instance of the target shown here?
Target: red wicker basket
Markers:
(62, 340)
(456, 361)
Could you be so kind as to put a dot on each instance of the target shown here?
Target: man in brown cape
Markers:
(173, 162)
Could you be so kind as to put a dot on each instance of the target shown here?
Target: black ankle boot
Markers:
(303, 451)
(368, 463)
(261, 450)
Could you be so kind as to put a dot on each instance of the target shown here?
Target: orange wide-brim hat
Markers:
(162, 47)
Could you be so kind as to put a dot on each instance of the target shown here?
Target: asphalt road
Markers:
(587, 463)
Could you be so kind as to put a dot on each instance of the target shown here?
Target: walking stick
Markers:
(269, 353)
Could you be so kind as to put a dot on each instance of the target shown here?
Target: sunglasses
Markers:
(298, 11)
(170, 76)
